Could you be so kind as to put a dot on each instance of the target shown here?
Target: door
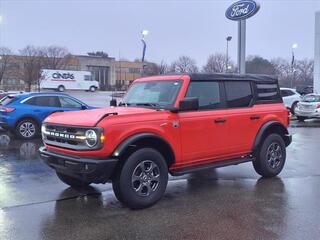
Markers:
(244, 119)
(203, 132)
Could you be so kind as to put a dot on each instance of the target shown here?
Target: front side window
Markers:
(208, 94)
(239, 94)
(88, 78)
(153, 93)
(69, 103)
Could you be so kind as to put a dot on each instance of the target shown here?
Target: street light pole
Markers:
(144, 47)
(227, 55)
(294, 46)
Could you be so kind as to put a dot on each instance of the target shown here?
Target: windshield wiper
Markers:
(154, 105)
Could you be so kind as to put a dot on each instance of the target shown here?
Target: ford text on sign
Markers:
(242, 10)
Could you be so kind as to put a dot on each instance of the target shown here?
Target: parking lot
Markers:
(227, 203)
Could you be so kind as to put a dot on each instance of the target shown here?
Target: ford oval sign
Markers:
(242, 10)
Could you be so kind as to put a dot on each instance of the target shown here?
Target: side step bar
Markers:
(215, 164)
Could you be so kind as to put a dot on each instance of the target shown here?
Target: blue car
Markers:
(24, 113)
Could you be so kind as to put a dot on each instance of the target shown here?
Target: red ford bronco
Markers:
(170, 124)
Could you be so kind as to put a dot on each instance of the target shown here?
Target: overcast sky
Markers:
(193, 28)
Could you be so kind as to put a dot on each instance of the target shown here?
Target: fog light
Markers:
(91, 138)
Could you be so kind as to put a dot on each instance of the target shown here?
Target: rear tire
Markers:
(72, 182)
(27, 129)
(271, 156)
(301, 119)
(92, 89)
(142, 180)
(61, 88)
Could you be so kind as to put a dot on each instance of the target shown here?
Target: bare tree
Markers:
(301, 73)
(33, 60)
(56, 57)
(5, 54)
(184, 64)
(217, 63)
(304, 71)
(163, 67)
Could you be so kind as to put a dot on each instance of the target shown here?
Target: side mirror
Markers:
(84, 107)
(189, 104)
(113, 102)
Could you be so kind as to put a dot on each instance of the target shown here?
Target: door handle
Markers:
(255, 117)
(220, 120)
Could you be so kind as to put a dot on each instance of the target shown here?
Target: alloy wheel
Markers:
(27, 129)
(146, 178)
(274, 155)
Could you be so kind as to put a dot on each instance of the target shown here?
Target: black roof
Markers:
(259, 78)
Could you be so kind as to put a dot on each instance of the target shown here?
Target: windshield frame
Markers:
(154, 105)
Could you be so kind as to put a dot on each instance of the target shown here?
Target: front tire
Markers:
(293, 108)
(142, 180)
(27, 129)
(270, 157)
(61, 88)
(72, 182)
(301, 119)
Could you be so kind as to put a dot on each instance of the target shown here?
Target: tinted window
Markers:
(208, 94)
(239, 94)
(69, 103)
(44, 101)
(268, 93)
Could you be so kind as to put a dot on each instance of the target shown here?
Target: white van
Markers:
(65, 79)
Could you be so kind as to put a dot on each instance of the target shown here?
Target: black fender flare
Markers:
(265, 127)
(121, 148)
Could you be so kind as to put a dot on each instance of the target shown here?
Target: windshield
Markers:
(311, 98)
(153, 93)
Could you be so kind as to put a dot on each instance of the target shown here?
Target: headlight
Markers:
(91, 138)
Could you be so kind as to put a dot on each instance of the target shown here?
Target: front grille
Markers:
(65, 136)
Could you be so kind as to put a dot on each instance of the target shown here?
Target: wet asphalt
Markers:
(226, 203)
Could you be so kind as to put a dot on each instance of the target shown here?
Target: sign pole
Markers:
(240, 11)
(242, 46)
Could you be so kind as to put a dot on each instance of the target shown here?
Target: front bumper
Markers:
(91, 170)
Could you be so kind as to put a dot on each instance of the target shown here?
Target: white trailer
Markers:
(67, 80)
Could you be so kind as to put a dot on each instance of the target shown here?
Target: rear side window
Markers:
(239, 94)
(268, 93)
(44, 101)
(208, 94)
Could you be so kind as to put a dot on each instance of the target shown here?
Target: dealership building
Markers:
(109, 72)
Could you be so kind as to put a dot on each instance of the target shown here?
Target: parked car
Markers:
(290, 98)
(24, 113)
(303, 90)
(177, 124)
(308, 107)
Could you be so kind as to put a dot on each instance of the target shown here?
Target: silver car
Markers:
(308, 107)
